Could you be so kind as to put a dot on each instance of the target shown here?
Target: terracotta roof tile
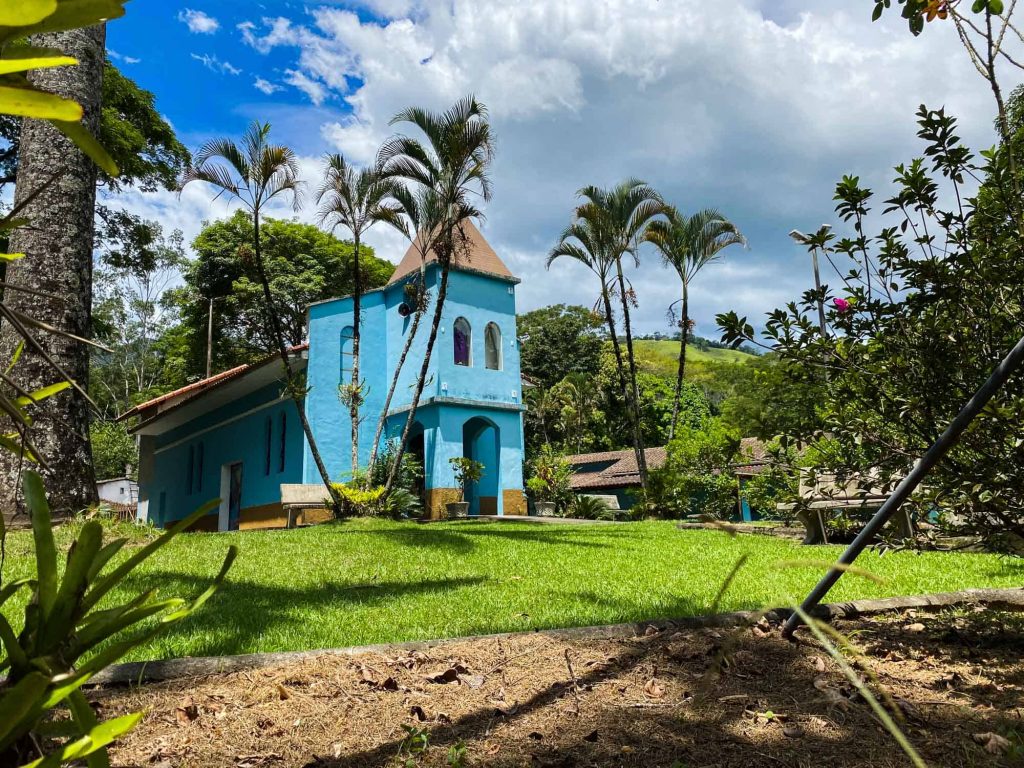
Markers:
(479, 258)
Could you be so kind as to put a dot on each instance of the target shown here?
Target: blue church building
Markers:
(236, 435)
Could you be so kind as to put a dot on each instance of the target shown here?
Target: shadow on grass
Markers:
(241, 612)
(464, 537)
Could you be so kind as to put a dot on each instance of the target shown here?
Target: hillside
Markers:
(662, 356)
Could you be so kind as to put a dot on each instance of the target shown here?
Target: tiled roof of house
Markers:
(618, 469)
(478, 257)
(203, 385)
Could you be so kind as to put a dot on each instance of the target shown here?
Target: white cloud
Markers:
(314, 89)
(120, 57)
(756, 107)
(198, 22)
(214, 64)
(266, 86)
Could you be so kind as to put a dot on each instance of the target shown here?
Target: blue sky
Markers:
(756, 107)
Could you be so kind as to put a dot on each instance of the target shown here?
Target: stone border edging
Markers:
(138, 672)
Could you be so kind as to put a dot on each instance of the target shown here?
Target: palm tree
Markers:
(255, 173)
(690, 243)
(578, 394)
(355, 200)
(587, 240)
(54, 284)
(451, 167)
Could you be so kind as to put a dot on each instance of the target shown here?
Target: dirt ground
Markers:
(665, 698)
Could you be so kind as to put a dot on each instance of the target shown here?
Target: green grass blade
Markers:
(59, 623)
(19, 701)
(42, 533)
(86, 719)
(103, 557)
(110, 581)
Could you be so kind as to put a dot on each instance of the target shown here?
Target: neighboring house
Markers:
(118, 490)
(236, 435)
(615, 473)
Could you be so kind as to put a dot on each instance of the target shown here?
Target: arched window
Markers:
(463, 342)
(492, 347)
(346, 354)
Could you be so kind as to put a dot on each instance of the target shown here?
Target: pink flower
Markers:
(842, 305)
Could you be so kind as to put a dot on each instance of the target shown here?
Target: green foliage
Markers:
(304, 265)
(113, 449)
(770, 396)
(697, 476)
(466, 471)
(66, 639)
(551, 479)
(559, 340)
(918, 325)
(917, 12)
(590, 508)
(410, 475)
(357, 500)
(777, 483)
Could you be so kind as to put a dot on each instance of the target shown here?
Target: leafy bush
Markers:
(409, 475)
(357, 501)
(551, 479)
(113, 449)
(591, 508)
(466, 471)
(697, 476)
(401, 503)
(63, 625)
(777, 483)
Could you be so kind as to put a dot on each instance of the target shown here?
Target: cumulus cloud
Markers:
(198, 22)
(756, 107)
(214, 64)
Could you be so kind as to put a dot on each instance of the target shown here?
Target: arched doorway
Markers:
(481, 442)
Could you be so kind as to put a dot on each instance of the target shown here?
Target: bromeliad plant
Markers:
(67, 637)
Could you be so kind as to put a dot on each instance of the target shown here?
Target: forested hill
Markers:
(662, 357)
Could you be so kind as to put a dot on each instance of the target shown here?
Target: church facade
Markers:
(237, 436)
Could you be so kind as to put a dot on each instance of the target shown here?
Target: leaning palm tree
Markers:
(453, 167)
(688, 244)
(356, 200)
(589, 241)
(255, 173)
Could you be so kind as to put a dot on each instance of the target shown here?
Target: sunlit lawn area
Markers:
(372, 581)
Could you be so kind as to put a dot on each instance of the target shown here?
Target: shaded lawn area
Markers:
(374, 581)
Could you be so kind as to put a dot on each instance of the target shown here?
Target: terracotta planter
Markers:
(544, 508)
(457, 509)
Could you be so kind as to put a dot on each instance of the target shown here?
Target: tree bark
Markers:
(681, 371)
(293, 388)
(621, 370)
(633, 398)
(442, 292)
(58, 244)
(353, 408)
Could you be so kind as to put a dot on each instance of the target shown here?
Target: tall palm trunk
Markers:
(293, 385)
(681, 371)
(356, 394)
(58, 243)
(633, 399)
(620, 368)
(394, 384)
(442, 292)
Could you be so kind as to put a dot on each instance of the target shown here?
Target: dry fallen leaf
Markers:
(993, 743)
(653, 689)
(283, 692)
(819, 664)
(918, 627)
(187, 712)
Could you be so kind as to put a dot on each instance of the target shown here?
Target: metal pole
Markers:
(817, 287)
(939, 448)
(209, 340)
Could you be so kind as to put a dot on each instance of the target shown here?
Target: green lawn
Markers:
(372, 581)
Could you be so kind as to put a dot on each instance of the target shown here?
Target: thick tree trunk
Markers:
(442, 292)
(355, 394)
(293, 386)
(58, 244)
(681, 370)
(633, 400)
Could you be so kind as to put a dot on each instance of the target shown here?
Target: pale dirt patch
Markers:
(705, 697)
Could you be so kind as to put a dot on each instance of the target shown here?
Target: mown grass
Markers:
(372, 581)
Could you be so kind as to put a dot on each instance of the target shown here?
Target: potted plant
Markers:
(551, 484)
(466, 471)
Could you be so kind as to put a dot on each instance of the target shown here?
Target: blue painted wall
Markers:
(233, 433)
(476, 390)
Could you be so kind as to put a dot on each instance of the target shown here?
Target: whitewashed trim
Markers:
(220, 424)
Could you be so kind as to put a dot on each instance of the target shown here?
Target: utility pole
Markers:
(209, 340)
(814, 242)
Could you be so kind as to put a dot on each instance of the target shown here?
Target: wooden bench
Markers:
(815, 515)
